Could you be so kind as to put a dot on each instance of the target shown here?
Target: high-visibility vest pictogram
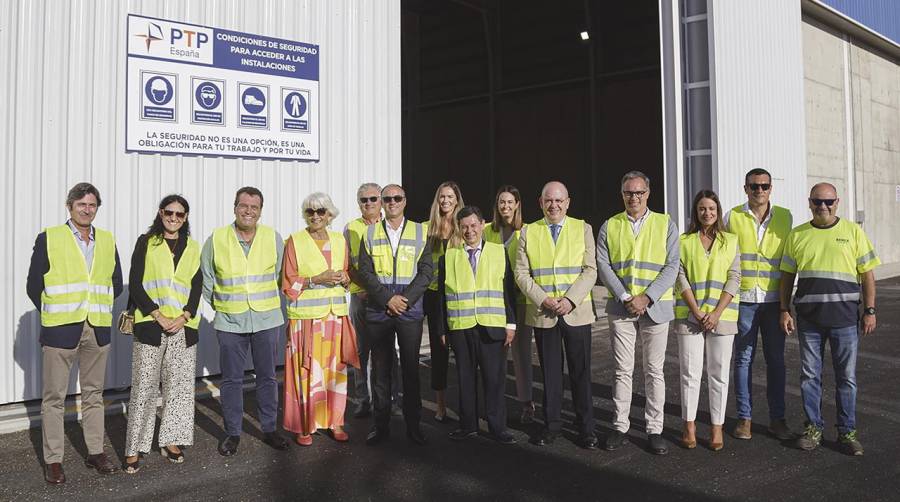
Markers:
(71, 294)
(475, 298)
(167, 285)
(245, 282)
(708, 274)
(317, 300)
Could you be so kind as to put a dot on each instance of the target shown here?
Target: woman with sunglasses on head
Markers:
(320, 338)
(505, 229)
(443, 232)
(706, 314)
(165, 288)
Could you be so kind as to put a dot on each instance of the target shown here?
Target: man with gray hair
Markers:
(637, 260)
(368, 196)
(73, 279)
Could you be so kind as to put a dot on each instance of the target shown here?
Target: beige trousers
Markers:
(92, 375)
(624, 332)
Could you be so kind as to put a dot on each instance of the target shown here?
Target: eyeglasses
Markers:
(178, 214)
(629, 194)
(395, 198)
(320, 211)
(759, 186)
(363, 200)
(819, 202)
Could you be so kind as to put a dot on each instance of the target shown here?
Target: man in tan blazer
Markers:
(556, 269)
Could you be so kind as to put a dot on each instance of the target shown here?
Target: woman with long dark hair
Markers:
(505, 229)
(706, 314)
(165, 284)
(443, 232)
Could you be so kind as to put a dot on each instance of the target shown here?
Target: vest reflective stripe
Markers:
(354, 234)
(245, 282)
(555, 267)
(637, 261)
(475, 299)
(511, 246)
(70, 294)
(760, 262)
(168, 286)
(316, 301)
(402, 269)
(708, 274)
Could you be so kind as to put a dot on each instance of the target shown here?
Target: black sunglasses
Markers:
(320, 211)
(363, 200)
(178, 214)
(819, 202)
(760, 186)
(395, 198)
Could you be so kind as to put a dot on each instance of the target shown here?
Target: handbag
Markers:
(126, 319)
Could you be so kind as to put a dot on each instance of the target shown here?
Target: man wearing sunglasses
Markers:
(829, 255)
(761, 229)
(240, 263)
(395, 268)
(368, 196)
(638, 260)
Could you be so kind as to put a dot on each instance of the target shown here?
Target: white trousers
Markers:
(691, 349)
(624, 331)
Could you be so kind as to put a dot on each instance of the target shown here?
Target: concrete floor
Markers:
(762, 468)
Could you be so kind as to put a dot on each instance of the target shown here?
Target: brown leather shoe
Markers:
(716, 438)
(100, 462)
(742, 429)
(689, 436)
(780, 429)
(54, 474)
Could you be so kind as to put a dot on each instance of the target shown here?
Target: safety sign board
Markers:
(196, 90)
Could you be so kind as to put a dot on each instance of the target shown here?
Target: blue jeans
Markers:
(762, 318)
(844, 345)
(232, 358)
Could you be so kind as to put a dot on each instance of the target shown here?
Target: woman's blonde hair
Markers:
(436, 223)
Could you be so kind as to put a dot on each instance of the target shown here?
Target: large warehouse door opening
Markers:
(523, 91)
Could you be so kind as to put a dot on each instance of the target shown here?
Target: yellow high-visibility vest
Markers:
(512, 247)
(555, 267)
(71, 294)
(316, 300)
(400, 269)
(708, 274)
(354, 234)
(167, 285)
(245, 282)
(761, 262)
(637, 261)
(475, 299)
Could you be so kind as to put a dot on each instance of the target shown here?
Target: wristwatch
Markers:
(869, 311)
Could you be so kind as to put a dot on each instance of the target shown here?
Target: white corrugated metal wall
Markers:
(757, 95)
(62, 75)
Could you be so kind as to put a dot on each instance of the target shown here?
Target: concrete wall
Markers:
(852, 96)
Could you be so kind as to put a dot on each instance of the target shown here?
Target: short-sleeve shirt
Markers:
(828, 263)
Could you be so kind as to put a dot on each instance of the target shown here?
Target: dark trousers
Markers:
(440, 354)
(473, 349)
(408, 335)
(232, 359)
(362, 383)
(576, 341)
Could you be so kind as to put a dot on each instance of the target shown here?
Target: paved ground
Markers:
(762, 468)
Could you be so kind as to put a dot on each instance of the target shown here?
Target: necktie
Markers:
(554, 231)
(472, 261)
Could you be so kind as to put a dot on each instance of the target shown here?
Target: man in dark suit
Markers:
(477, 292)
